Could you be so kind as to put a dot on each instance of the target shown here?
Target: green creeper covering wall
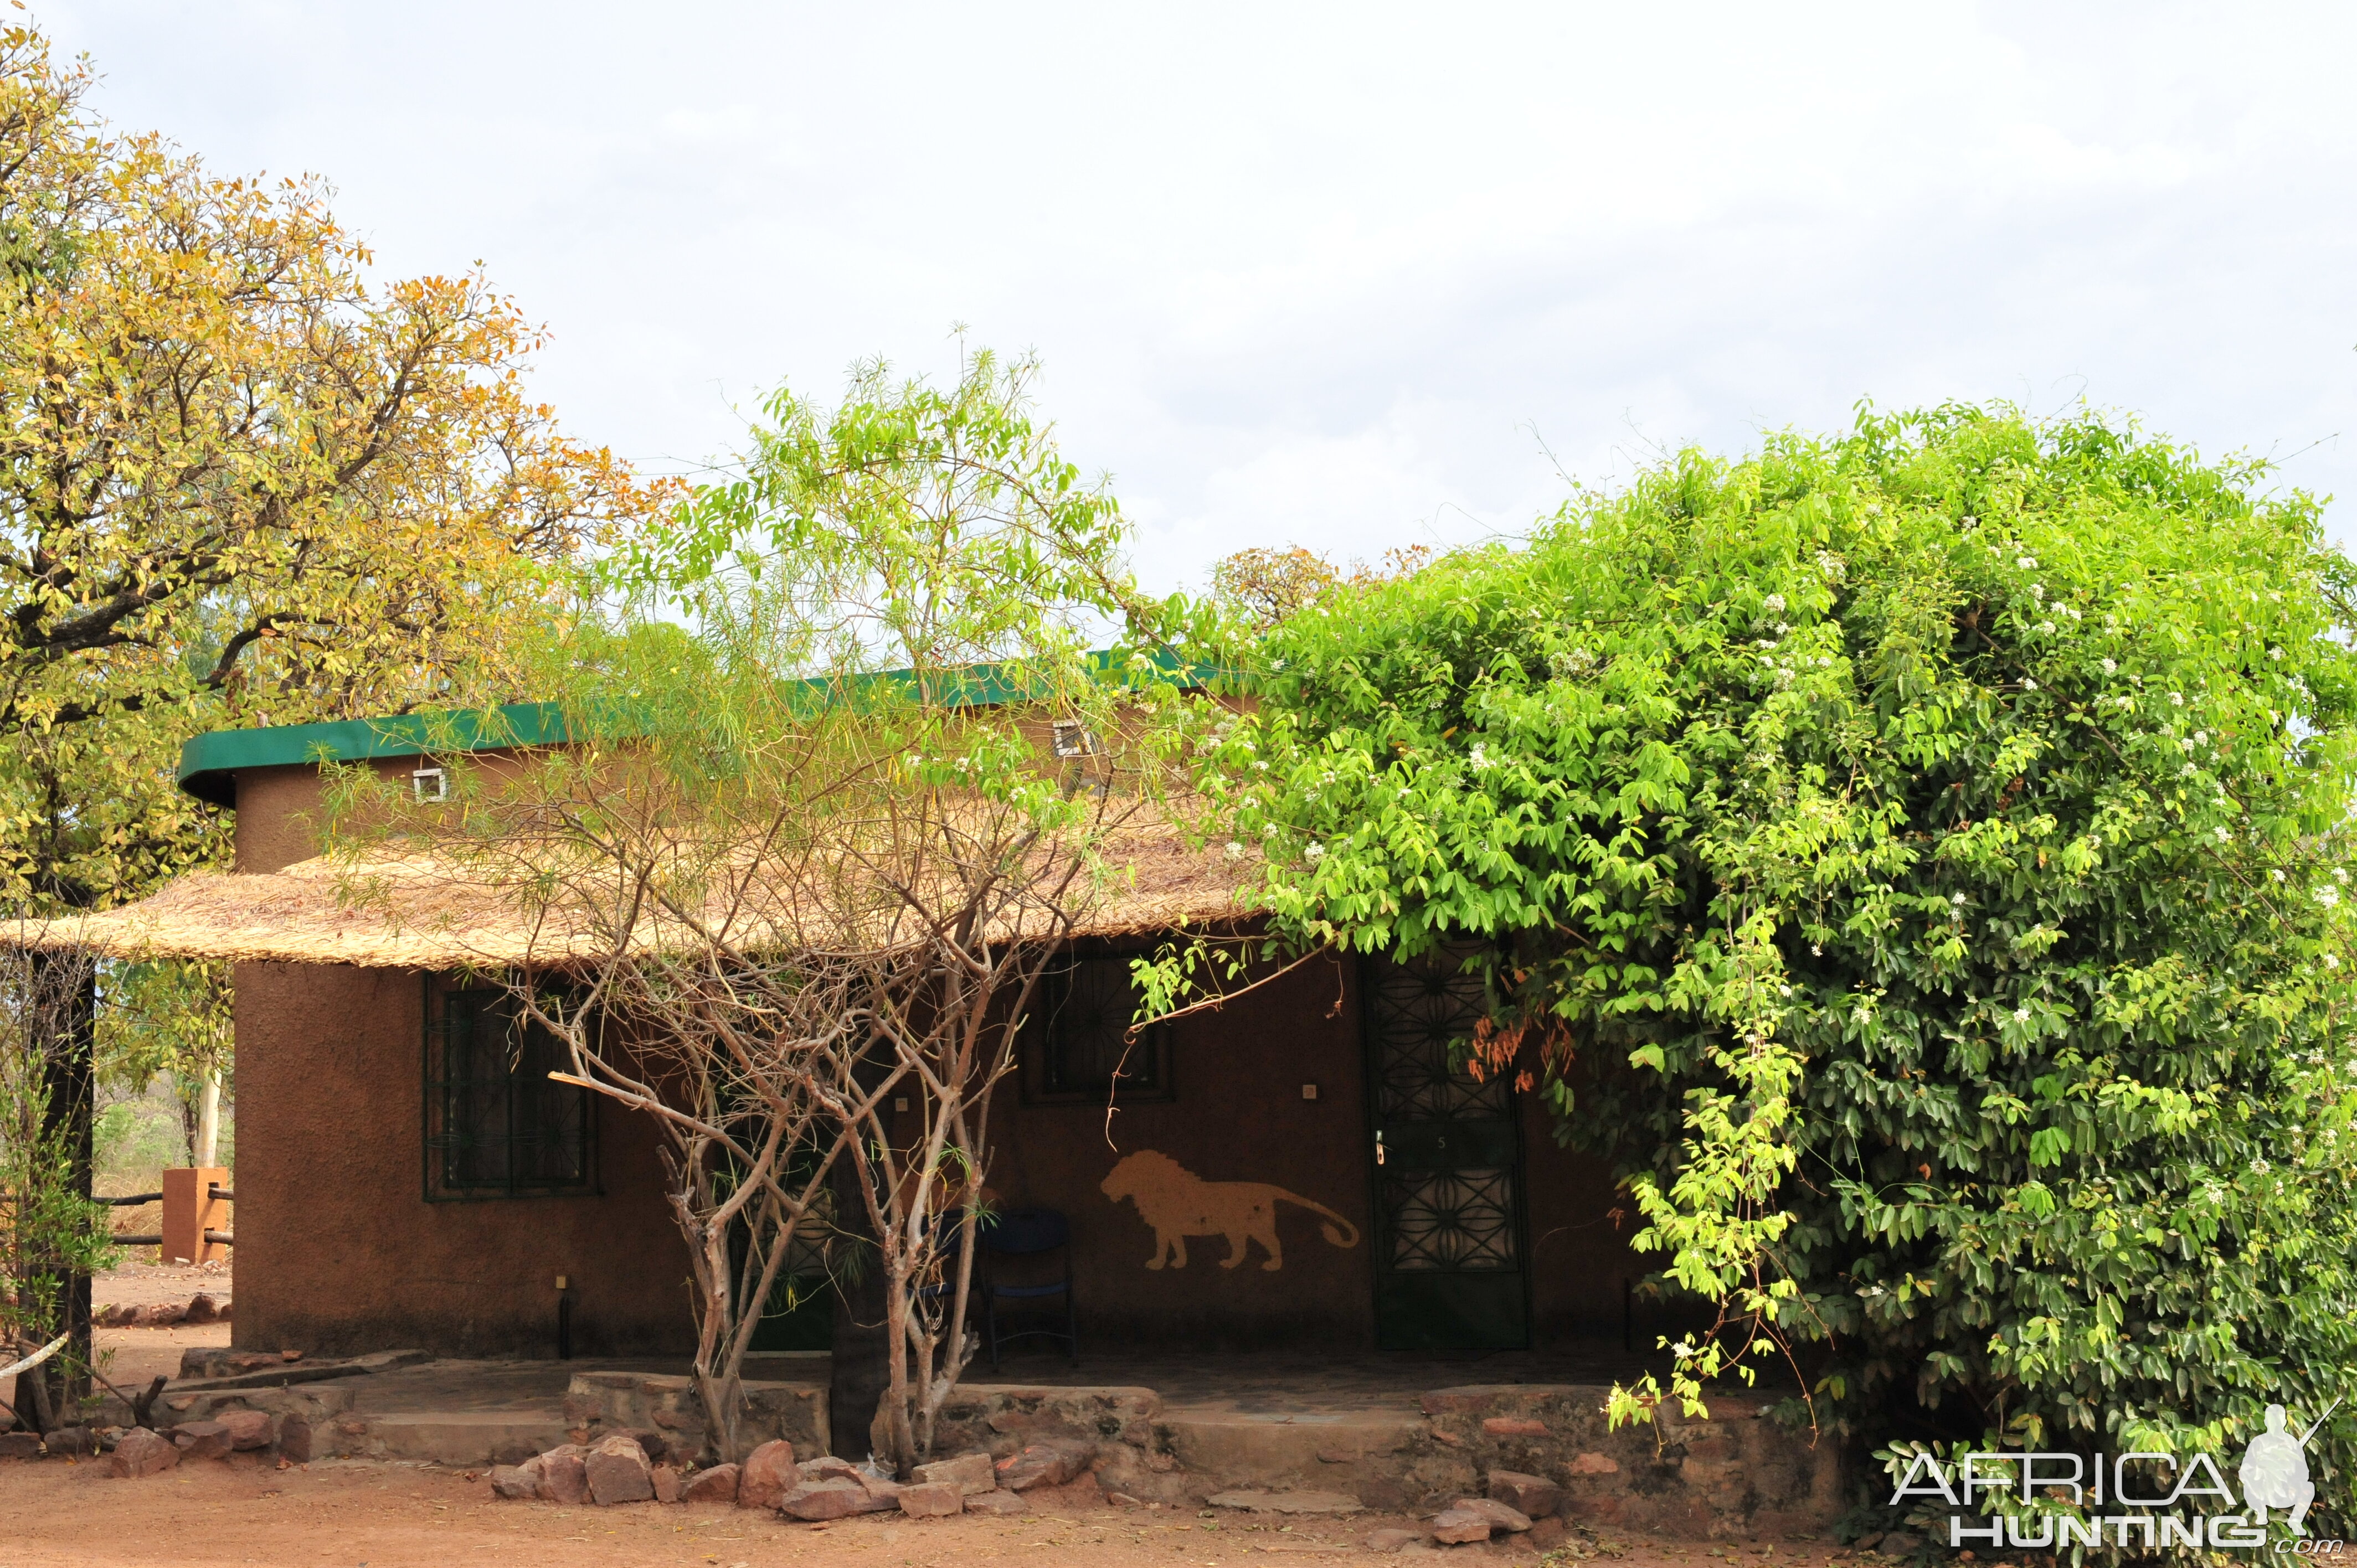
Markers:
(1919, 857)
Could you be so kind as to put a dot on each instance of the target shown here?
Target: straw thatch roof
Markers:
(418, 912)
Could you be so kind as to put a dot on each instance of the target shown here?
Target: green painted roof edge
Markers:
(208, 760)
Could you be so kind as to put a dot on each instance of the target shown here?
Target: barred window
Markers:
(1077, 1044)
(495, 1125)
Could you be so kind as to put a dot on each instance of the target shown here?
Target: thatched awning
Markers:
(419, 913)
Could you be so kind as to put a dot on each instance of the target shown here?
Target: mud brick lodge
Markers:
(1301, 1168)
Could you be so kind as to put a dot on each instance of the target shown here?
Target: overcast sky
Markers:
(1331, 274)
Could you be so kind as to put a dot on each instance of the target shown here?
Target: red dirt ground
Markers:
(352, 1513)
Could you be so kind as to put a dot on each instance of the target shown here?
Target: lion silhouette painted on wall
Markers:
(1178, 1204)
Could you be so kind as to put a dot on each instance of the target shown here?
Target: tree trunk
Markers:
(208, 1139)
(32, 1403)
(862, 1338)
(65, 997)
(184, 1101)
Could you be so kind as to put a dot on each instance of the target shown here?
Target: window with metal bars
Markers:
(1077, 1047)
(495, 1125)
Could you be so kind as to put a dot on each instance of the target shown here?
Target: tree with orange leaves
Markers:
(241, 482)
(1264, 586)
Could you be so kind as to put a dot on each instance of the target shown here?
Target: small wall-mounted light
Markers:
(431, 783)
(1071, 738)
(1309, 1092)
(900, 1102)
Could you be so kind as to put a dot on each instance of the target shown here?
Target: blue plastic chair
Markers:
(1028, 1232)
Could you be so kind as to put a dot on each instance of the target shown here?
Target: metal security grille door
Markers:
(799, 1313)
(1449, 1172)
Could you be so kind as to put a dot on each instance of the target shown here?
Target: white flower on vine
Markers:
(2178, 698)
(2328, 896)
(2275, 653)
(2258, 1168)
(2027, 562)
(1957, 899)
(2112, 667)
(1773, 604)
(2278, 874)
(1236, 851)
(2223, 836)
(2021, 1014)
(2332, 960)
(2340, 874)
(2028, 684)
(2047, 626)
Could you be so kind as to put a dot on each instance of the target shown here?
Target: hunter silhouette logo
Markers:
(2275, 1470)
(2273, 1476)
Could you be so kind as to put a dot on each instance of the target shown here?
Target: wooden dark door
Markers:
(1448, 1180)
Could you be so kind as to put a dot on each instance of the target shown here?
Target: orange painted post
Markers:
(190, 1210)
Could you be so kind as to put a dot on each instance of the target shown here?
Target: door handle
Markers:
(1379, 1147)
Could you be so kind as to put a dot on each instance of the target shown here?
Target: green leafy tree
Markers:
(809, 853)
(169, 1018)
(1919, 859)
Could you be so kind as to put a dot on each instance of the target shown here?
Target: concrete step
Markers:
(1234, 1447)
(463, 1438)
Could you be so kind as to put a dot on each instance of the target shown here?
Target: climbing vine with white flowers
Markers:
(1917, 858)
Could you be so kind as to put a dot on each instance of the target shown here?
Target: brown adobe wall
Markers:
(1578, 1226)
(341, 1250)
(338, 1249)
(1238, 1116)
(279, 817)
(276, 808)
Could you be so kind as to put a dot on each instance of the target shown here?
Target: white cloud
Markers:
(1314, 273)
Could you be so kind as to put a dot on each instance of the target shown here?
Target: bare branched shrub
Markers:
(764, 954)
(808, 856)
